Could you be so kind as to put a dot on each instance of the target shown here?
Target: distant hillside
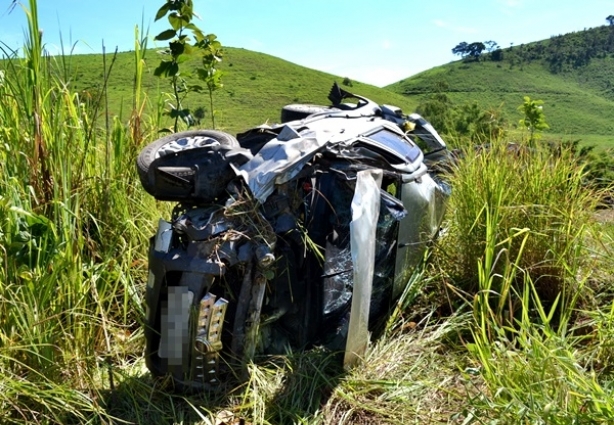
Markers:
(572, 73)
(256, 86)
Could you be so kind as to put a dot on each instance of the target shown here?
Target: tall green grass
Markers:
(520, 254)
(521, 207)
(73, 231)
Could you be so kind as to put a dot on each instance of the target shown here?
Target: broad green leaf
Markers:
(177, 48)
(196, 88)
(167, 69)
(198, 34)
(174, 113)
(162, 69)
(202, 74)
(176, 4)
(166, 35)
(175, 20)
(173, 69)
(178, 21)
(162, 11)
(187, 12)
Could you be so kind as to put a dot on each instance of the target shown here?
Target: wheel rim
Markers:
(185, 143)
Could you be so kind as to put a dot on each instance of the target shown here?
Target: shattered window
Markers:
(396, 143)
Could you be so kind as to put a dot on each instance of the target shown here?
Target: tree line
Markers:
(559, 53)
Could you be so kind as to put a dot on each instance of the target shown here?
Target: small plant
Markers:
(208, 73)
(180, 15)
(534, 119)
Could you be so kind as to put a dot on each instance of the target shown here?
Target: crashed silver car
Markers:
(286, 237)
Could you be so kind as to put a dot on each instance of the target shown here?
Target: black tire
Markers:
(171, 145)
(298, 111)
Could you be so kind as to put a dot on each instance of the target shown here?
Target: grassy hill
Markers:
(574, 82)
(256, 86)
(578, 95)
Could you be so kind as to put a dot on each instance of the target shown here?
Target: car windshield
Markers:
(396, 143)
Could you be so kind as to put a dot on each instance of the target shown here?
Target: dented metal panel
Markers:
(419, 227)
(365, 215)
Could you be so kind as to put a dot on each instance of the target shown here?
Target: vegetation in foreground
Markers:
(510, 322)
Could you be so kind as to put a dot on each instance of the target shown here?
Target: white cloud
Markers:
(463, 30)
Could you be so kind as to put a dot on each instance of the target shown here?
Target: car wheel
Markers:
(298, 111)
(172, 145)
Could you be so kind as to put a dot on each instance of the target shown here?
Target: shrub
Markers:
(515, 208)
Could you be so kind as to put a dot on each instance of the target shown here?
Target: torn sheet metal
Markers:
(427, 198)
(425, 131)
(282, 158)
(279, 161)
(365, 214)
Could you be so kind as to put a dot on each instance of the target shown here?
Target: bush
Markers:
(515, 208)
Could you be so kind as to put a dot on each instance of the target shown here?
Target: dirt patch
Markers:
(605, 215)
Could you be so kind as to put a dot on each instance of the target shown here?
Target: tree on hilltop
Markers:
(472, 50)
(610, 20)
(491, 46)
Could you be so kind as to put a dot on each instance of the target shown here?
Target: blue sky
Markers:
(377, 42)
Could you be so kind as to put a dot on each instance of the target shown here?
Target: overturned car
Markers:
(288, 236)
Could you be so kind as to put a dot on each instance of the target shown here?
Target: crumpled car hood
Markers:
(282, 158)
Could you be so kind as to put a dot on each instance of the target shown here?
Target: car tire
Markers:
(298, 111)
(175, 143)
